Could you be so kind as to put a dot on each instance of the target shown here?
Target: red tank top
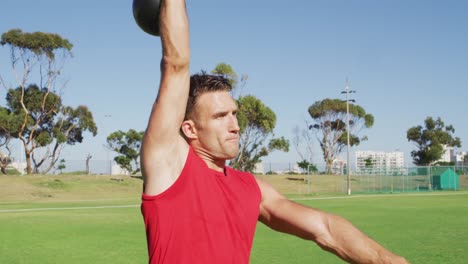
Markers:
(204, 217)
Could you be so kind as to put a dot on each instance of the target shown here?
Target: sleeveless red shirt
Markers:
(204, 217)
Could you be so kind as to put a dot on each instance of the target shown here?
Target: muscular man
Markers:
(196, 209)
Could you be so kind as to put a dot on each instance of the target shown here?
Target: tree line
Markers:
(327, 126)
(35, 115)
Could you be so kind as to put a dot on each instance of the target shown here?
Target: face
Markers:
(216, 131)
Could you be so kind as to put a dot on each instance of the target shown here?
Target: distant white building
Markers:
(460, 158)
(379, 161)
(19, 166)
(338, 166)
(117, 170)
(259, 169)
(449, 155)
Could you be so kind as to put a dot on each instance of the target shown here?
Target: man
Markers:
(196, 209)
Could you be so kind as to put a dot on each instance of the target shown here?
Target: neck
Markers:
(211, 161)
(215, 165)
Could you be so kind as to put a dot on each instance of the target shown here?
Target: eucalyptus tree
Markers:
(127, 145)
(430, 140)
(256, 123)
(34, 112)
(329, 124)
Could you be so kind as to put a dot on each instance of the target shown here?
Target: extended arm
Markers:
(330, 232)
(164, 150)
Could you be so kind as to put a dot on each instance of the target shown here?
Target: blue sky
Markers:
(406, 59)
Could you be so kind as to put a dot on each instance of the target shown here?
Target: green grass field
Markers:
(98, 220)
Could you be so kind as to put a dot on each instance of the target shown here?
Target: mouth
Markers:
(236, 139)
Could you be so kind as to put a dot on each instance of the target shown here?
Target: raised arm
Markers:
(330, 232)
(164, 150)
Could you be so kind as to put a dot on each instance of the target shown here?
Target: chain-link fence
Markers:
(397, 180)
(288, 178)
(411, 179)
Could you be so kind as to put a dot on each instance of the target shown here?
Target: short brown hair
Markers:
(201, 83)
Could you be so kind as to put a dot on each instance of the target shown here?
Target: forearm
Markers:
(350, 244)
(168, 111)
(174, 30)
(329, 231)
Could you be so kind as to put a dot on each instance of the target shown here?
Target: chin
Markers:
(232, 154)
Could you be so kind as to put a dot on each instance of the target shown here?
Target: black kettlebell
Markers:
(146, 14)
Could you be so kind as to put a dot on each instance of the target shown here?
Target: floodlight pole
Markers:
(348, 178)
(309, 176)
(107, 151)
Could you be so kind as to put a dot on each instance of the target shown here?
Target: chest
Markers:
(218, 198)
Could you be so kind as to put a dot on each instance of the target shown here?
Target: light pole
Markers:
(347, 92)
(108, 150)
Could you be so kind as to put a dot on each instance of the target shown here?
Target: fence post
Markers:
(454, 180)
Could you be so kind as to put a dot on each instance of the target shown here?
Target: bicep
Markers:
(283, 215)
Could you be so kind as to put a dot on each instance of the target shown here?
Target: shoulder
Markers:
(268, 192)
(247, 178)
(240, 174)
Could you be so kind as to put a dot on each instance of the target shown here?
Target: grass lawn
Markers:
(428, 228)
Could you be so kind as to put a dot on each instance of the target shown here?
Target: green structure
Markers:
(444, 178)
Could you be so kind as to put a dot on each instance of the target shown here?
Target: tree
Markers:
(4, 162)
(430, 140)
(307, 166)
(5, 139)
(35, 114)
(127, 145)
(256, 123)
(68, 128)
(368, 162)
(61, 166)
(88, 158)
(228, 72)
(303, 143)
(46, 127)
(330, 128)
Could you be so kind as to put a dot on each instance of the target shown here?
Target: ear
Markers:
(189, 129)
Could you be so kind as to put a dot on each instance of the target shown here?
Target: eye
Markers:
(220, 115)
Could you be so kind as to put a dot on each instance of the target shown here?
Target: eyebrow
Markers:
(224, 112)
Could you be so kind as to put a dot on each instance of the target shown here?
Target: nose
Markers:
(233, 124)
